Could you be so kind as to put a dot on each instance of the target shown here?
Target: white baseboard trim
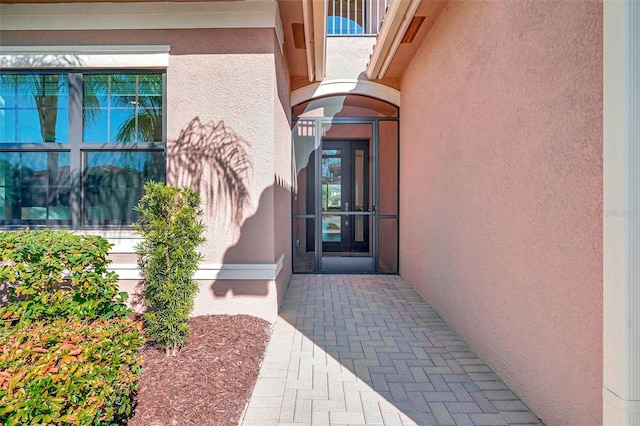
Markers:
(213, 271)
(622, 405)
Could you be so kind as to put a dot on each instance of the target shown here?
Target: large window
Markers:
(76, 148)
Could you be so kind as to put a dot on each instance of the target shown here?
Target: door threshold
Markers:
(348, 265)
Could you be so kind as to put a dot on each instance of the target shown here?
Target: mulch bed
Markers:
(211, 379)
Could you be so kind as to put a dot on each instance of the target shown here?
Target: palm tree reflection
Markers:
(124, 108)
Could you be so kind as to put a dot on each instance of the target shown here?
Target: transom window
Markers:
(76, 148)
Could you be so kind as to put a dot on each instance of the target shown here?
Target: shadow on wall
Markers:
(256, 243)
(213, 159)
(34, 61)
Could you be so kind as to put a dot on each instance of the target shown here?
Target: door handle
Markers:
(346, 209)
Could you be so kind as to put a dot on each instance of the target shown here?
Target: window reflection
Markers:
(114, 183)
(34, 186)
(38, 177)
(34, 108)
(122, 108)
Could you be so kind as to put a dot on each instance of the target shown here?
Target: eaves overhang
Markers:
(141, 15)
(315, 31)
(397, 19)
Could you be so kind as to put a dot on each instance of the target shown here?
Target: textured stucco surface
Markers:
(282, 171)
(228, 115)
(347, 57)
(501, 193)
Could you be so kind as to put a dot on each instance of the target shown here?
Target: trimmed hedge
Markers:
(53, 274)
(68, 354)
(68, 372)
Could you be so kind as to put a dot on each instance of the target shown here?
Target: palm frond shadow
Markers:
(213, 159)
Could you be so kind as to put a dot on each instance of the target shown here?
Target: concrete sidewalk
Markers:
(365, 349)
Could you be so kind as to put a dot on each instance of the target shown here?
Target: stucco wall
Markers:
(282, 164)
(228, 135)
(501, 193)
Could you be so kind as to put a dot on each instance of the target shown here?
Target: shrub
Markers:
(167, 256)
(68, 371)
(49, 274)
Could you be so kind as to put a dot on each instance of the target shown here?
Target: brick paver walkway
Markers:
(363, 349)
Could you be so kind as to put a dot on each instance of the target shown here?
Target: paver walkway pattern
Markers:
(365, 349)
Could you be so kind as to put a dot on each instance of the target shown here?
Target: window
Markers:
(355, 17)
(76, 148)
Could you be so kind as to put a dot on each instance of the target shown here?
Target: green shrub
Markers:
(68, 372)
(51, 274)
(171, 231)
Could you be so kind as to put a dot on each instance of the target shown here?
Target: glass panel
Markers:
(388, 167)
(346, 235)
(34, 186)
(122, 108)
(388, 261)
(123, 89)
(114, 183)
(331, 228)
(304, 260)
(332, 180)
(304, 148)
(359, 181)
(359, 229)
(34, 108)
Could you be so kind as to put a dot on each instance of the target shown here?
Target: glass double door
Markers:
(345, 202)
(346, 206)
(345, 198)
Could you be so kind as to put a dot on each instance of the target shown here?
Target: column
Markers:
(621, 214)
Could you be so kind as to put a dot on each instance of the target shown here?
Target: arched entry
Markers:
(345, 202)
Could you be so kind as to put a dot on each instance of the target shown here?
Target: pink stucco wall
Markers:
(228, 135)
(501, 193)
(222, 90)
(282, 169)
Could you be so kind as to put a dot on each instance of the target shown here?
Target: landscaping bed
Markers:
(211, 378)
(72, 352)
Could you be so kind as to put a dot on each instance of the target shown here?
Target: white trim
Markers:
(124, 242)
(621, 213)
(142, 15)
(124, 245)
(314, 17)
(623, 405)
(84, 56)
(341, 87)
(213, 271)
(411, 10)
(320, 38)
(397, 19)
(307, 18)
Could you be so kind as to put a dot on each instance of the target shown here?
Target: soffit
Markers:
(292, 20)
(420, 23)
(430, 10)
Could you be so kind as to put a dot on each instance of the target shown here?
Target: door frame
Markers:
(309, 217)
(347, 241)
(331, 264)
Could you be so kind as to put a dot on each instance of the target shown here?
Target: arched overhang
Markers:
(346, 87)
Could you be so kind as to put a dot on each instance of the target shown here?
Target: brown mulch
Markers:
(211, 379)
